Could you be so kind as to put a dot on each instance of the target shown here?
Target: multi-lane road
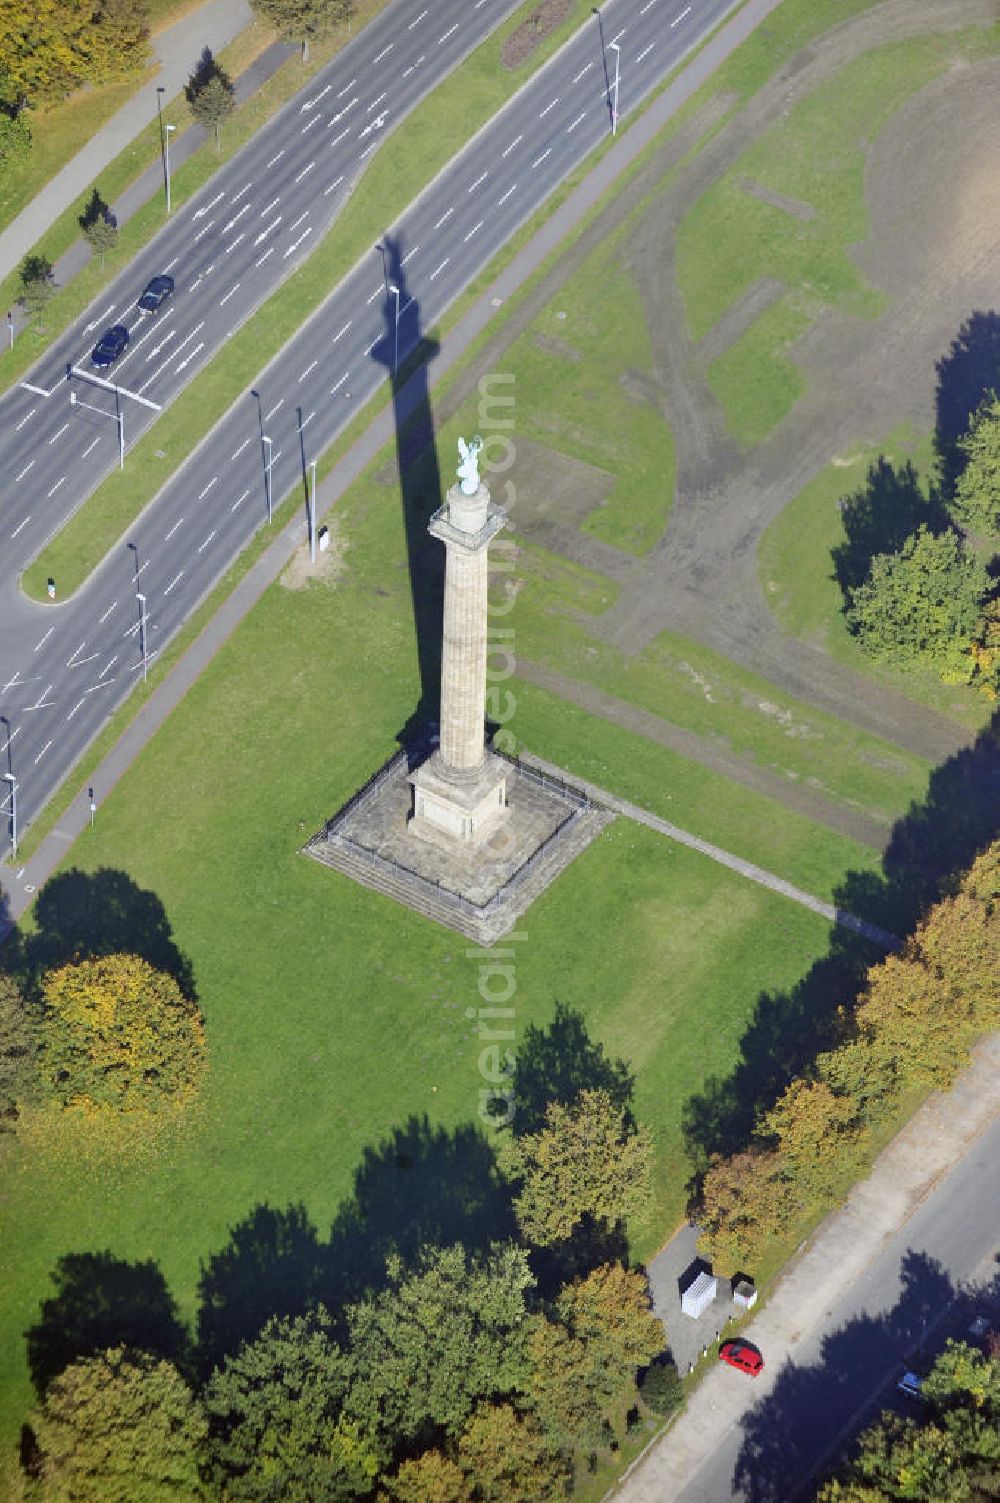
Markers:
(65, 667)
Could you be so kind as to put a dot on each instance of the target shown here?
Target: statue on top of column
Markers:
(468, 470)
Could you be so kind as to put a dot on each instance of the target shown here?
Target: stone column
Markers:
(460, 791)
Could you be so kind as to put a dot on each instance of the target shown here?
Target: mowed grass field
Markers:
(333, 1014)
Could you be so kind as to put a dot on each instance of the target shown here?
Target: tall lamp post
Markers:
(266, 442)
(312, 511)
(10, 778)
(616, 49)
(142, 631)
(395, 349)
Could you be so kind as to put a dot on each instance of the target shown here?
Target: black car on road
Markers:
(156, 294)
(110, 345)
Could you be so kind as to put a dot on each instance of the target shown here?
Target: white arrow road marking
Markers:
(203, 231)
(269, 229)
(348, 86)
(384, 53)
(377, 101)
(310, 103)
(233, 244)
(335, 119)
(198, 213)
(273, 204)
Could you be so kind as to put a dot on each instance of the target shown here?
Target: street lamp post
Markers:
(166, 159)
(395, 351)
(10, 778)
(312, 511)
(119, 416)
(142, 632)
(616, 49)
(267, 472)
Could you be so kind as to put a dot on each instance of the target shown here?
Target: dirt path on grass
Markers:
(864, 376)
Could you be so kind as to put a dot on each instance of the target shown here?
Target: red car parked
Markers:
(741, 1355)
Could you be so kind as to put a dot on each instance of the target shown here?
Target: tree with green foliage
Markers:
(122, 1427)
(921, 607)
(585, 1161)
(952, 1455)
(100, 229)
(745, 1202)
(15, 132)
(507, 1459)
(119, 40)
(304, 21)
(53, 47)
(210, 95)
(276, 1428)
(117, 1033)
(429, 1478)
(438, 1338)
(976, 502)
(37, 285)
(18, 1051)
(662, 1389)
(818, 1134)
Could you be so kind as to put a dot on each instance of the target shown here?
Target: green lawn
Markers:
(332, 1014)
(754, 381)
(796, 572)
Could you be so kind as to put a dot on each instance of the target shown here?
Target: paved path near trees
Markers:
(174, 54)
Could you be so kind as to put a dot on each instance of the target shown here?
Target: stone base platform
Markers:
(479, 891)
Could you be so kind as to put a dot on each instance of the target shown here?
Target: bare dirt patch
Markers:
(327, 569)
(532, 32)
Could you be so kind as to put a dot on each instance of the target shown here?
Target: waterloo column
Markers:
(460, 792)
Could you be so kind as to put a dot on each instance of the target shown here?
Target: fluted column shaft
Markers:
(463, 659)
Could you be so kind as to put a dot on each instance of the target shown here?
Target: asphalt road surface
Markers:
(64, 668)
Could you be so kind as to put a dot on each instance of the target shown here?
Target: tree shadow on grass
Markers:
(81, 915)
(880, 516)
(965, 377)
(102, 1301)
(423, 1185)
(930, 846)
(798, 1427)
(557, 1063)
(272, 1265)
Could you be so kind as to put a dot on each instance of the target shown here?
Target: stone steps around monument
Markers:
(482, 926)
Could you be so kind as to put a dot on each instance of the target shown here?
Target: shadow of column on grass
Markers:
(791, 1431)
(880, 516)
(936, 840)
(102, 1301)
(81, 915)
(965, 376)
(406, 352)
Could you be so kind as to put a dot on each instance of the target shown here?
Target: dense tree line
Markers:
(911, 1029)
(930, 601)
(950, 1454)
